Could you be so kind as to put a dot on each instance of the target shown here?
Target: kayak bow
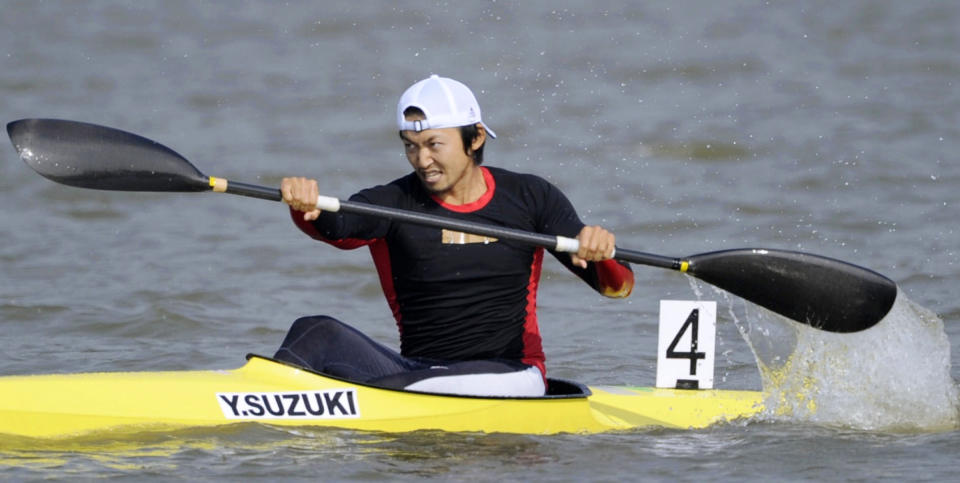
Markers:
(272, 392)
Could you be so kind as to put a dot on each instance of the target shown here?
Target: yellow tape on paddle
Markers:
(218, 184)
(684, 265)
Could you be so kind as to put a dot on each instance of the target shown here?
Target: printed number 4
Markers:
(692, 322)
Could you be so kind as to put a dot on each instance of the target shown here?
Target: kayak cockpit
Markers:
(556, 388)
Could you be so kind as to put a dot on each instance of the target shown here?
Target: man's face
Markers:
(437, 156)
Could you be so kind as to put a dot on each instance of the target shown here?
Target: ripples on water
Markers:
(687, 128)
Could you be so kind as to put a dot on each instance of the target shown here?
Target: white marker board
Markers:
(687, 339)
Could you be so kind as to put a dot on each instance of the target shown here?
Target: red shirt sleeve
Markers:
(615, 279)
(311, 230)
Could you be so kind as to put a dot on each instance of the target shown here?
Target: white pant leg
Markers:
(526, 383)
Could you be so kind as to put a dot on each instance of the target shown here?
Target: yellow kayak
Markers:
(272, 392)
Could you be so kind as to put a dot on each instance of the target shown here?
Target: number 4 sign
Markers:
(685, 351)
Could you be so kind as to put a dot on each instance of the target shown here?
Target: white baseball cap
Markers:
(444, 102)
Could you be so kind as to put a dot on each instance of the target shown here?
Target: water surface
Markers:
(685, 127)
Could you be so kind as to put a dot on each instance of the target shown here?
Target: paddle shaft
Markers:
(558, 243)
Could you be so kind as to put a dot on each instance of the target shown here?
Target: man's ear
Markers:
(479, 139)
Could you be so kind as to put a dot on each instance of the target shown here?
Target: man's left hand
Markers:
(596, 243)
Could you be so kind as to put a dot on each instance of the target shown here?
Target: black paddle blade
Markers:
(91, 156)
(822, 292)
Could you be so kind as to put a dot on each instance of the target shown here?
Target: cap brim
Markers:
(489, 131)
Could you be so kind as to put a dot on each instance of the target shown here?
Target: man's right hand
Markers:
(301, 194)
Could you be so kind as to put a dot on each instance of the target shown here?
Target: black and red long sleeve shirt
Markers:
(458, 296)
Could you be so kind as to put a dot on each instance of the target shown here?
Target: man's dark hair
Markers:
(467, 135)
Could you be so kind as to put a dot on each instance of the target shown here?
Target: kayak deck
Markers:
(271, 392)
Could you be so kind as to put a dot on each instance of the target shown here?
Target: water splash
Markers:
(26, 154)
(894, 376)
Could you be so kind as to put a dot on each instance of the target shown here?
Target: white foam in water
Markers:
(894, 376)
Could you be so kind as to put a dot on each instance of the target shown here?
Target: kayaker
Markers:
(465, 305)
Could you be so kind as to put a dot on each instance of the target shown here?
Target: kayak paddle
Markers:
(822, 292)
